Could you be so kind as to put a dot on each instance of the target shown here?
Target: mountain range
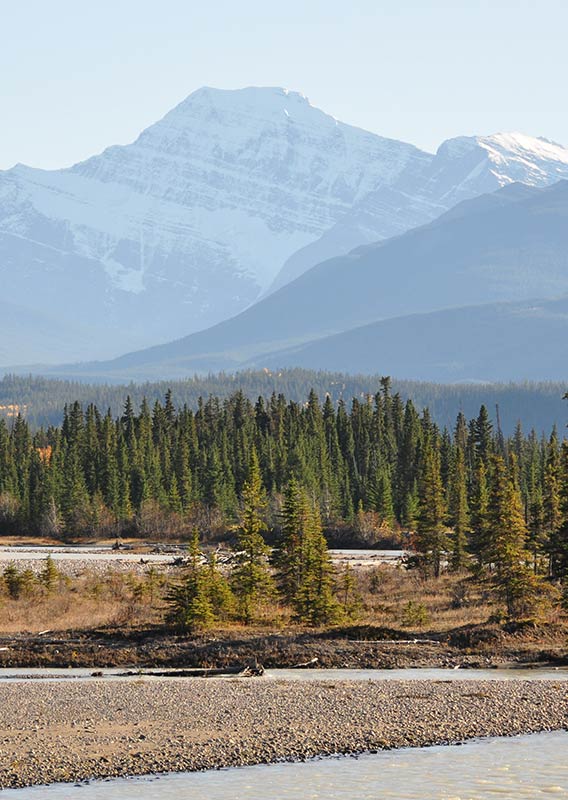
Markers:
(233, 204)
(451, 300)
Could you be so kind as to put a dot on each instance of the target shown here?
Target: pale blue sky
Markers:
(78, 75)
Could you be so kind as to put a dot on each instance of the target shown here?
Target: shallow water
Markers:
(425, 674)
(10, 674)
(522, 768)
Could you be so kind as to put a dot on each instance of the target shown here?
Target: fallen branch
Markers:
(306, 664)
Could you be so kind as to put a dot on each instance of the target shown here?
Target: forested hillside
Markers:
(536, 405)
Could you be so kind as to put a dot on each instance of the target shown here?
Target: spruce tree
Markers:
(50, 575)
(349, 598)
(458, 511)
(482, 433)
(189, 604)
(507, 543)
(559, 538)
(218, 590)
(251, 578)
(289, 556)
(313, 601)
(479, 516)
(431, 540)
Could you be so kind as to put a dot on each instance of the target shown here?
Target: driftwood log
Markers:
(251, 670)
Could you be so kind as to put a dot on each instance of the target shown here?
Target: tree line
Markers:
(41, 399)
(465, 497)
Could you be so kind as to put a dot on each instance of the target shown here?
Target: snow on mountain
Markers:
(190, 223)
(510, 246)
(250, 174)
(463, 168)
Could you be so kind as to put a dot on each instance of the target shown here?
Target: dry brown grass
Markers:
(450, 601)
(124, 599)
(92, 600)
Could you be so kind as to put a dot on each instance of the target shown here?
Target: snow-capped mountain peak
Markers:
(188, 224)
(511, 156)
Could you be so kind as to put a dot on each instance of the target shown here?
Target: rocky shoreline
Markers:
(75, 731)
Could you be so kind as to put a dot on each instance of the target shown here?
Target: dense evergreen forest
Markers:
(537, 405)
(376, 470)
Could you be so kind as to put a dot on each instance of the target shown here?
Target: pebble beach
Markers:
(79, 730)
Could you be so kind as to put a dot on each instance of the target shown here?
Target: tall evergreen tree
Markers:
(251, 577)
(189, 602)
(313, 601)
(508, 532)
(458, 510)
(431, 539)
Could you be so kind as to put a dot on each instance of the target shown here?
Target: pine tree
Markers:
(431, 539)
(507, 531)
(189, 603)
(251, 578)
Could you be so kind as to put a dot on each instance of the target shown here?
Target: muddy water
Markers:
(522, 768)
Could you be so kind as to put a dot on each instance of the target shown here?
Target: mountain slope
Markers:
(30, 334)
(188, 224)
(509, 246)
(494, 342)
(462, 168)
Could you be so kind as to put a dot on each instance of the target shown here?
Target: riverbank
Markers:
(354, 647)
(76, 731)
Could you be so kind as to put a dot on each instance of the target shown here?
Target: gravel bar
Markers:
(66, 731)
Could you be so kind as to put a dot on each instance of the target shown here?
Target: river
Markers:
(523, 768)
(408, 674)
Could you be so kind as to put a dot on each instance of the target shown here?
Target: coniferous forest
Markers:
(43, 399)
(378, 471)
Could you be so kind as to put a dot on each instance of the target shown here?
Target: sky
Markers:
(77, 76)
